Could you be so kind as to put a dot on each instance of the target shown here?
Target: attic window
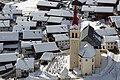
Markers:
(39, 31)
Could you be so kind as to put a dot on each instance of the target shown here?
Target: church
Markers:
(82, 54)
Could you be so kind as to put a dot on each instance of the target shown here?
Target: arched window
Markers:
(75, 35)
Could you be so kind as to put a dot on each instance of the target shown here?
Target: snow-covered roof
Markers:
(47, 3)
(1, 46)
(9, 36)
(18, 28)
(60, 12)
(110, 38)
(86, 50)
(6, 16)
(25, 63)
(8, 57)
(107, 31)
(98, 9)
(38, 13)
(11, 9)
(55, 19)
(28, 44)
(32, 34)
(27, 6)
(15, 46)
(27, 23)
(9, 65)
(56, 28)
(88, 8)
(2, 68)
(107, 1)
(5, 23)
(47, 56)
(103, 9)
(40, 18)
(21, 18)
(46, 46)
(61, 37)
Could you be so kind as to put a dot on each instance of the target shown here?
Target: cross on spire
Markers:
(75, 19)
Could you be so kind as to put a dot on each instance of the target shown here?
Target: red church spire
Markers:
(75, 19)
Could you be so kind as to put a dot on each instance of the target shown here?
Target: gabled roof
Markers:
(97, 9)
(89, 35)
(47, 3)
(86, 50)
(106, 31)
(45, 47)
(20, 28)
(27, 23)
(28, 44)
(56, 28)
(60, 13)
(25, 63)
(110, 38)
(19, 19)
(8, 57)
(61, 37)
(40, 18)
(102, 9)
(55, 19)
(107, 1)
(38, 13)
(47, 56)
(9, 36)
(32, 34)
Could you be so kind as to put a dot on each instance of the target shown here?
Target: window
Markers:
(108, 46)
(92, 60)
(86, 60)
(75, 35)
(72, 35)
(80, 60)
(108, 43)
(86, 74)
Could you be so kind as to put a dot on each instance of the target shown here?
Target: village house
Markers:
(109, 42)
(62, 41)
(24, 66)
(118, 8)
(40, 48)
(55, 29)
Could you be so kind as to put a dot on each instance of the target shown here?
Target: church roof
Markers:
(86, 50)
